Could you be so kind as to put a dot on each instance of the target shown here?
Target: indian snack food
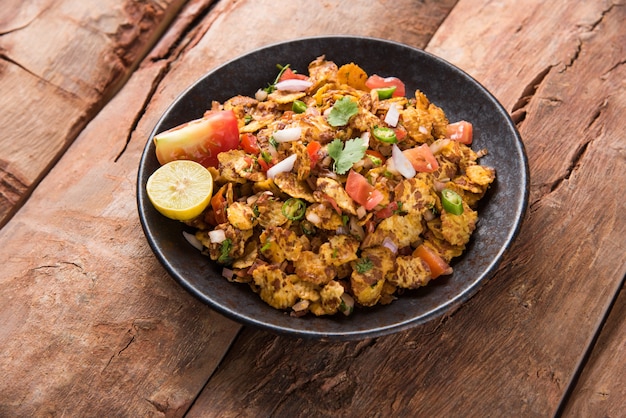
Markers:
(332, 189)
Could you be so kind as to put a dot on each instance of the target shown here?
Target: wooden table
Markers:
(92, 325)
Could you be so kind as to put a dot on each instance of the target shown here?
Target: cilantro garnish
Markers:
(364, 265)
(225, 248)
(346, 154)
(342, 111)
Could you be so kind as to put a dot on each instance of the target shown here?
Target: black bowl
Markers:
(460, 96)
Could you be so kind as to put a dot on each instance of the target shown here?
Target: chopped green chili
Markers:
(298, 106)
(384, 134)
(451, 202)
(294, 209)
(247, 119)
(385, 92)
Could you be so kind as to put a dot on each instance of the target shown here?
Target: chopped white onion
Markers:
(293, 84)
(401, 163)
(423, 130)
(191, 238)
(356, 229)
(217, 236)
(348, 304)
(288, 134)
(438, 145)
(388, 242)
(365, 137)
(361, 212)
(260, 95)
(282, 166)
(392, 116)
(313, 218)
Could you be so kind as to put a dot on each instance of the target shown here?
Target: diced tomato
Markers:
(288, 74)
(219, 204)
(313, 149)
(199, 140)
(378, 82)
(400, 133)
(437, 265)
(264, 164)
(362, 192)
(422, 158)
(387, 211)
(249, 144)
(461, 131)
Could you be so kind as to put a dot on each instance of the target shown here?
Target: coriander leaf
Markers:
(364, 265)
(225, 248)
(342, 111)
(346, 154)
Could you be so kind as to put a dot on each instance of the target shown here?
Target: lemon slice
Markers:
(180, 189)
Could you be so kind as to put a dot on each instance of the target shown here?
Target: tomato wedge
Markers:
(362, 192)
(422, 158)
(377, 82)
(199, 140)
(461, 131)
(437, 265)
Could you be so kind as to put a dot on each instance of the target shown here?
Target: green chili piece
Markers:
(294, 209)
(384, 134)
(298, 106)
(451, 202)
(385, 92)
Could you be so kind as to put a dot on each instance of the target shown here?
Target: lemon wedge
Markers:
(180, 189)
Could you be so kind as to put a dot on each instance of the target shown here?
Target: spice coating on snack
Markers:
(333, 200)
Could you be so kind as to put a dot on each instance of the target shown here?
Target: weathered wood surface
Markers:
(91, 325)
(59, 63)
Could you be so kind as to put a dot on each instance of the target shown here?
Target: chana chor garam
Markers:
(331, 190)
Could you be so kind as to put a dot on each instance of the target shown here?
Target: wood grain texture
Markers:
(90, 323)
(600, 390)
(83, 55)
(513, 349)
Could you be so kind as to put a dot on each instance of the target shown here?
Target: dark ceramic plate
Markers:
(460, 96)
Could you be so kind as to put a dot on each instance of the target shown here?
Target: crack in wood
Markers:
(172, 53)
(518, 111)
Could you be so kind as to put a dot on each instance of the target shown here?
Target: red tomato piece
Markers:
(219, 204)
(249, 143)
(288, 74)
(461, 131)
(400, 133)
(199, 140)
(387, 211)
(264, 164)
(437, 265)
(377, 82)
(422, 158)
(362, 192)
(313, 149)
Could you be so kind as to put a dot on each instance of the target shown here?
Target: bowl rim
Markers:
(355, 334)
